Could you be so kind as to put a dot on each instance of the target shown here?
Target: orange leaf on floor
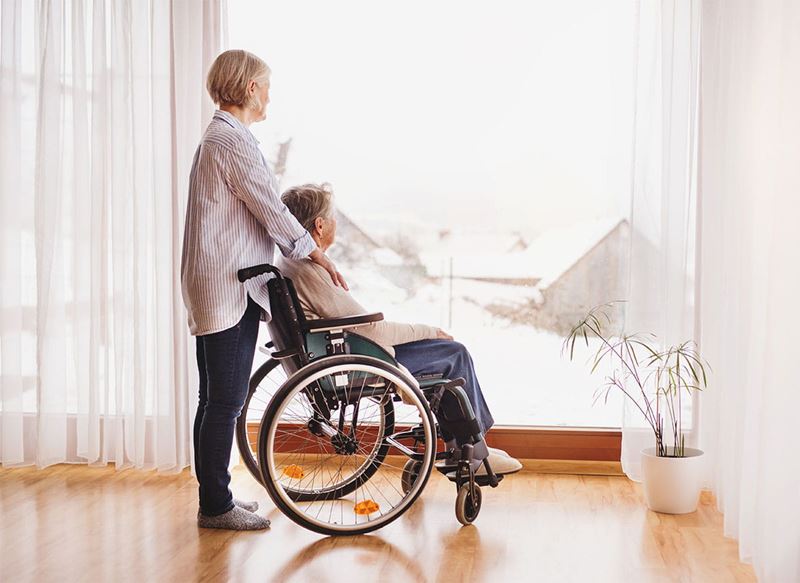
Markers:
(366, 507)
(294, 471)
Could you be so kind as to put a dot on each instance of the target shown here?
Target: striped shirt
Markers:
(234, 219)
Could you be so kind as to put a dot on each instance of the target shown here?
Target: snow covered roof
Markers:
(556, 250)
(546, 258)
(491, 255)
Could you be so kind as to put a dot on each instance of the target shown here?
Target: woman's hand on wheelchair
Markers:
(442, 335)
(318, 257)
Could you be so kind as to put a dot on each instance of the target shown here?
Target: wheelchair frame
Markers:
(297, 343)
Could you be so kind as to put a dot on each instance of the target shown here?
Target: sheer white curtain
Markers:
(102, 105)
(750, 284)
(663, 218)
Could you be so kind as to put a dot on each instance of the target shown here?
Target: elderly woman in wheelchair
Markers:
(351, 407)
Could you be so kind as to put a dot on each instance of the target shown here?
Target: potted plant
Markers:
(656, 382)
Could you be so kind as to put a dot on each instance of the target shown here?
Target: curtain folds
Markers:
(663, 195)
(103, 103)
(750, 258)
(724, 267)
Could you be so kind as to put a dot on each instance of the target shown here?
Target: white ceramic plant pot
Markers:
(672, 484)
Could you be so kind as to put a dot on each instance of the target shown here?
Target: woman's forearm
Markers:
(388, 333)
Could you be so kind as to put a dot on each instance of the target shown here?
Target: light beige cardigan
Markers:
(320, 298)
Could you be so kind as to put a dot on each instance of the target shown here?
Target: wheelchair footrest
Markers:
(481, 480)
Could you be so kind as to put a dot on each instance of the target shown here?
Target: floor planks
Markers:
(74, 523)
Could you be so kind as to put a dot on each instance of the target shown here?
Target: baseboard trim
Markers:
(578, 467)
(557, 443)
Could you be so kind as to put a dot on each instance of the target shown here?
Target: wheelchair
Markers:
(346, 438)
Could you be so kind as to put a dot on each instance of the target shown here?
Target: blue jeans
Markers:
(452, 359)
(224, 360)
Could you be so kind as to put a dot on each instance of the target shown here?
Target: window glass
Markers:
(480, 157)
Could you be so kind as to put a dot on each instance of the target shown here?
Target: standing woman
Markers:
(234, 219)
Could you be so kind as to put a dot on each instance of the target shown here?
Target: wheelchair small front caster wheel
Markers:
(410, 475)
(467, 507)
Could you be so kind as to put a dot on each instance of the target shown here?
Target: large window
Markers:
(480, 157)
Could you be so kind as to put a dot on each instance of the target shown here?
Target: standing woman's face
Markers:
(259, 91)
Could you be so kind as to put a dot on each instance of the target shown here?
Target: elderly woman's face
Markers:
(331, 229)
(325, 231)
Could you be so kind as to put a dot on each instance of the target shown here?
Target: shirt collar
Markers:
(232, 121)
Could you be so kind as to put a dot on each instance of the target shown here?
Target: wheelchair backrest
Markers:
(286, 325)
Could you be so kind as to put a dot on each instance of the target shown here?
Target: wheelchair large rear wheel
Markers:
(324, 440)
(264, 383)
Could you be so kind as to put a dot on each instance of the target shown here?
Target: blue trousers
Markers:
(224, 361)
(452, 359)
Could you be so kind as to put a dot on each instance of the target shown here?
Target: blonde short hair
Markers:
(229, 75)
(307, 202)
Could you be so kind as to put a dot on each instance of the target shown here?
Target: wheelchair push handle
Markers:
(256, 270)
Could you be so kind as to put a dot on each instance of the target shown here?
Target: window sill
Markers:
(557, 443)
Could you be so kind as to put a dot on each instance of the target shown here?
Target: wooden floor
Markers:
(73, 523)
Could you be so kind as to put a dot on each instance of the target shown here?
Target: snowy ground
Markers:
(523, 375)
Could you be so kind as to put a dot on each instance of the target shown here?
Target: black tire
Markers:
(467, 507)
(242, 438)
(284, 498)
(410, 474)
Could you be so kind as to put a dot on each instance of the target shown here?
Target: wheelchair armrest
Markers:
(281, 354)
(430, 380)
(337, 323)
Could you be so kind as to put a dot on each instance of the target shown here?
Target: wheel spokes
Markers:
(333, 470)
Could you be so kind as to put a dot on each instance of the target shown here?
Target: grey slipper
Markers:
(249, 506)
(235, 519)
